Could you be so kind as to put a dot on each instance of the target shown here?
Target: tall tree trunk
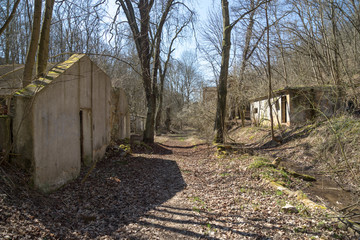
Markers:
(246, 54)
(43, 53)
(5, 27)
(224, 69)
(282, 55)
(155, 76)
(150, 119)
(268, 68)
(160, 96)
(163, 75)
(159, 109)
(222, 87)
(142, 43)
(35, 34)
(335, 44)
(143, 47)
(246, 51)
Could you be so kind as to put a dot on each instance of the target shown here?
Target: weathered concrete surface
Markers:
(302, 104)
(261, 116)
(23, 138)
(120, 117)
(63, 120)
(56, 131)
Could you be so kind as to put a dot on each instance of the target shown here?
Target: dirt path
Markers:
(179, 189)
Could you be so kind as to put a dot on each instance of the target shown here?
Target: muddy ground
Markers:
(177, 188)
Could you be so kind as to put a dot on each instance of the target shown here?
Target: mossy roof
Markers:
(294, 90)
(41, 82)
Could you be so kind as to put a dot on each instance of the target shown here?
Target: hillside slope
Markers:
(328, 150)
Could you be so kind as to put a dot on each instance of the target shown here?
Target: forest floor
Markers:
(178, 188)
(312, 149)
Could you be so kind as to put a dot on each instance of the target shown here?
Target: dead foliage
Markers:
(176, 189)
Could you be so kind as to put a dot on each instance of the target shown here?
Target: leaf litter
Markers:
(173, 189)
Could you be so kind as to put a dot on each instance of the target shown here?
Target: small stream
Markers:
(329, 193)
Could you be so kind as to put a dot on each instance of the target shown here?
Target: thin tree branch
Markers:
(8, 20)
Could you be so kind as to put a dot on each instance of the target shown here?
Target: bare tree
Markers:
(225, 56)
(30, 58)
(43, 53)
(145, 50)
(211, 34)
(10, 17)
(163, 69)
(268, 70)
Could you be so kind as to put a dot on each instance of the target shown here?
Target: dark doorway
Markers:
(283, 109)
(81, 136)
(85, 136)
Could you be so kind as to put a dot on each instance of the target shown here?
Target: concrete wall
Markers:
(22, 130)
(85, 104)
(65, 123)
(56, 131)
(261, 116)
(301, 106)
(120, 115)
(101, 102)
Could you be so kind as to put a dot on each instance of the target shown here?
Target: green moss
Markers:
(125, 147)
(224, 174)
(281, 183)
(279, 192)
(300, 195)
(261, 162)
(300, 176)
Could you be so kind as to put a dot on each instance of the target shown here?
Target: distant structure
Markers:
(66, 119)
(209, 94)
(295, 105)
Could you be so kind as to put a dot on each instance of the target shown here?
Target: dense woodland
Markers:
(162, 53)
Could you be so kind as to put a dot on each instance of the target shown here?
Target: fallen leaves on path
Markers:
(176, 189)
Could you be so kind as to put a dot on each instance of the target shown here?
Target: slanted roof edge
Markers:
(285, 90)
(38, 84)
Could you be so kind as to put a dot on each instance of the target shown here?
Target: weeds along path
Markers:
(175, 189)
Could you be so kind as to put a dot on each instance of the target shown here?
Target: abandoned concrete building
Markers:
(294, 105)
(65, 119)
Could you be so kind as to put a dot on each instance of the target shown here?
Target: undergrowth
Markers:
(262, 167)
(337, 146)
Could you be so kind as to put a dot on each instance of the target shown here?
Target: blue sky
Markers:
(201, 7)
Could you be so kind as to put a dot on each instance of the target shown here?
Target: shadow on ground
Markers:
(184, 147)
(152, 148)
(117, 192)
